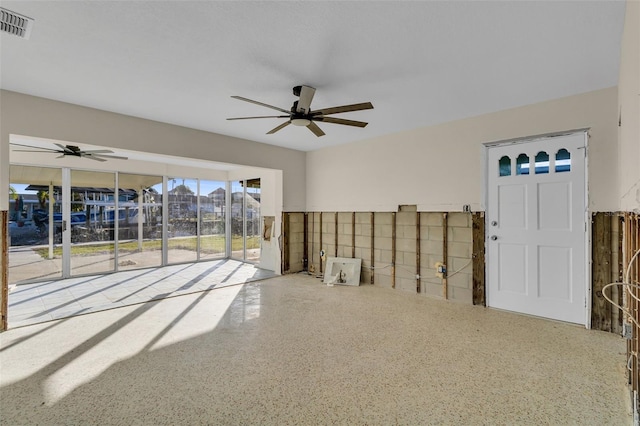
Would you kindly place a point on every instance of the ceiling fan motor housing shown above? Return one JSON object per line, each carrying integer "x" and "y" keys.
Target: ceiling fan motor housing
{"x": 301, "y": 113}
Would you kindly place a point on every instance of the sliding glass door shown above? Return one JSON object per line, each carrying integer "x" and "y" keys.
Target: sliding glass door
{"x": 35, "y": 218}
{"x": 245, "y": 220}
{"x": 182, "y": 198}
{"x": 253, "y": 220}
{"x": 140, "y": 221}
{"x": 68, "y": 222}
{"x": 91, "y": 227}
{"x": 212, "y": 225}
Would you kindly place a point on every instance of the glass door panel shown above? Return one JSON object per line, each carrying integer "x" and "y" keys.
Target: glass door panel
{"x": 252, "y": 218}
{"x": 35, "y": 212}
{"x": 237, "y": 222}
{"x": 92, "y": 230}
{"x": 212, "y": 220}
{"x": 182, "y": 201}
{"x": 140, "y": 221}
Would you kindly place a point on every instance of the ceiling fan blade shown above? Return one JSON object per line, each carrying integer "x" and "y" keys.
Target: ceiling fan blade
{"x": 38, "y": 152}
{"x": 94, "y": 157}
{"x": 34, "y": 147}
{"x": 98, "y": 151}
{"x": 341, "y": 121}
{"x": 64, "y": 148}
{"x": 261, "y": 104}
{"x": 261, "y": 116}
{"x": 306, "y": 96}
{"x": 344, "y": 108}
{"x": 280, "y": 127}
{"x": 315, "y": 129}
{"x": 61, "y": 156}
{"x": 116, "y": 157}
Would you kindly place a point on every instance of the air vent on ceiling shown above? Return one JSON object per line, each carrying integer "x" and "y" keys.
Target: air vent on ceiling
{"x": 14, "y": 23}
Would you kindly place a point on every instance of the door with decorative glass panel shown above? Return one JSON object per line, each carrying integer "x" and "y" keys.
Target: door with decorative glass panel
{"x": 536, "y": 227}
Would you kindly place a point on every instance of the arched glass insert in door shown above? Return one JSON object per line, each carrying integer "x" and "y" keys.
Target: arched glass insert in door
{"x": 563, "y": 161}
{"x": 542, "y": 163}
{"x": 505, "y": 166}
{"x": 522, "y": 164}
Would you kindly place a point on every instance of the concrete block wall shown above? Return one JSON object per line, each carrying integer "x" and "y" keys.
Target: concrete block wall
{"x": 459, "y": 259}
{"x": 406, "y": 238}
{"x": 328, "y": 235}
{"x": 363, "y": 244}
{"x": 355, "y": 232}
{"x": 345, "y": 234}
{"x": 431, "y": 251}
{"x": 382, "y": 245}
{"x": 296, "y": 242}
{"x": 313, "y": 240}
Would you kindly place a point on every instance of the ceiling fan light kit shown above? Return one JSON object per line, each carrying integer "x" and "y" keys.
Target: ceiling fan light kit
{"x": 300, "y": 121}
{"x": 302, "y": 115}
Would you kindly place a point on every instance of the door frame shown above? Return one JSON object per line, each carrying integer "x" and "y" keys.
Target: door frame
{"x": 587, "y": 216}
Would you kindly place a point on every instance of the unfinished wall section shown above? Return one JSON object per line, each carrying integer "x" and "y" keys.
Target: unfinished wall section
{"x": 606, "y": 267}
{"x": 459, "y": 256}
{"x": 293, "y": 256}
{"x": 406, "y": 239}
{"x": 630, "y": 249}
{"x": 382, "y": 252}
{"x": 345, "y": 234}
{"x": 328, "y": 236}
{"x": 398, "y": 250}
{"x": 363, "y": 245}
{"x": 313, "y": 241}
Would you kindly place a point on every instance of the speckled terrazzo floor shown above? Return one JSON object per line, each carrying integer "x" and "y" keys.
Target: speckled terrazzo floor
{"x": 49, "y": 300}
{"x": 290, "y": 350}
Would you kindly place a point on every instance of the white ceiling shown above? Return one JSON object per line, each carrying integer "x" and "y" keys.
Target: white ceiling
{"x": 419, "y": 63}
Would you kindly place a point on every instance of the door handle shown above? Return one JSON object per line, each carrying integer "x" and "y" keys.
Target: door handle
{"x": 494, "y": 237}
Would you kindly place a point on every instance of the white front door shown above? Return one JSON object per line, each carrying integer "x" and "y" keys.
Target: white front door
{"x": 536, "y": 228}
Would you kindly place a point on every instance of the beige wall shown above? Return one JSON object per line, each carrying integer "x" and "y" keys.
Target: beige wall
{"x": 440, "y": 168}
{"x": 37, "y": 117}
{"x": 629, "y": 107}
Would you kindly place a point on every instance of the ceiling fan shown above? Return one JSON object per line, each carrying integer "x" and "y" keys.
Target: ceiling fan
{"x": 301, "y": 113}
{"x": 64, "y": 150}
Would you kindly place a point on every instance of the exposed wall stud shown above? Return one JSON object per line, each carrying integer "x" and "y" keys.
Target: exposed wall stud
{"x": 321, "y": 248}
{"x": 336, "y": 233}
{"x": 285, "y": 266}
{"x": 312, "y": 266}
{"x": 478, "y": 259}
{"x": 601, "y": 310}
{"x": 393, "y": 250}
{"x": 305, "y": 255}
{"x": 4, "y": 277}
{"x": 373, "y": 217}
{"x": 619, "y": 277}
{"x": 353, "y": 235}
{"x": 445, "y": 290}
{"x": 418, "y": 289}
